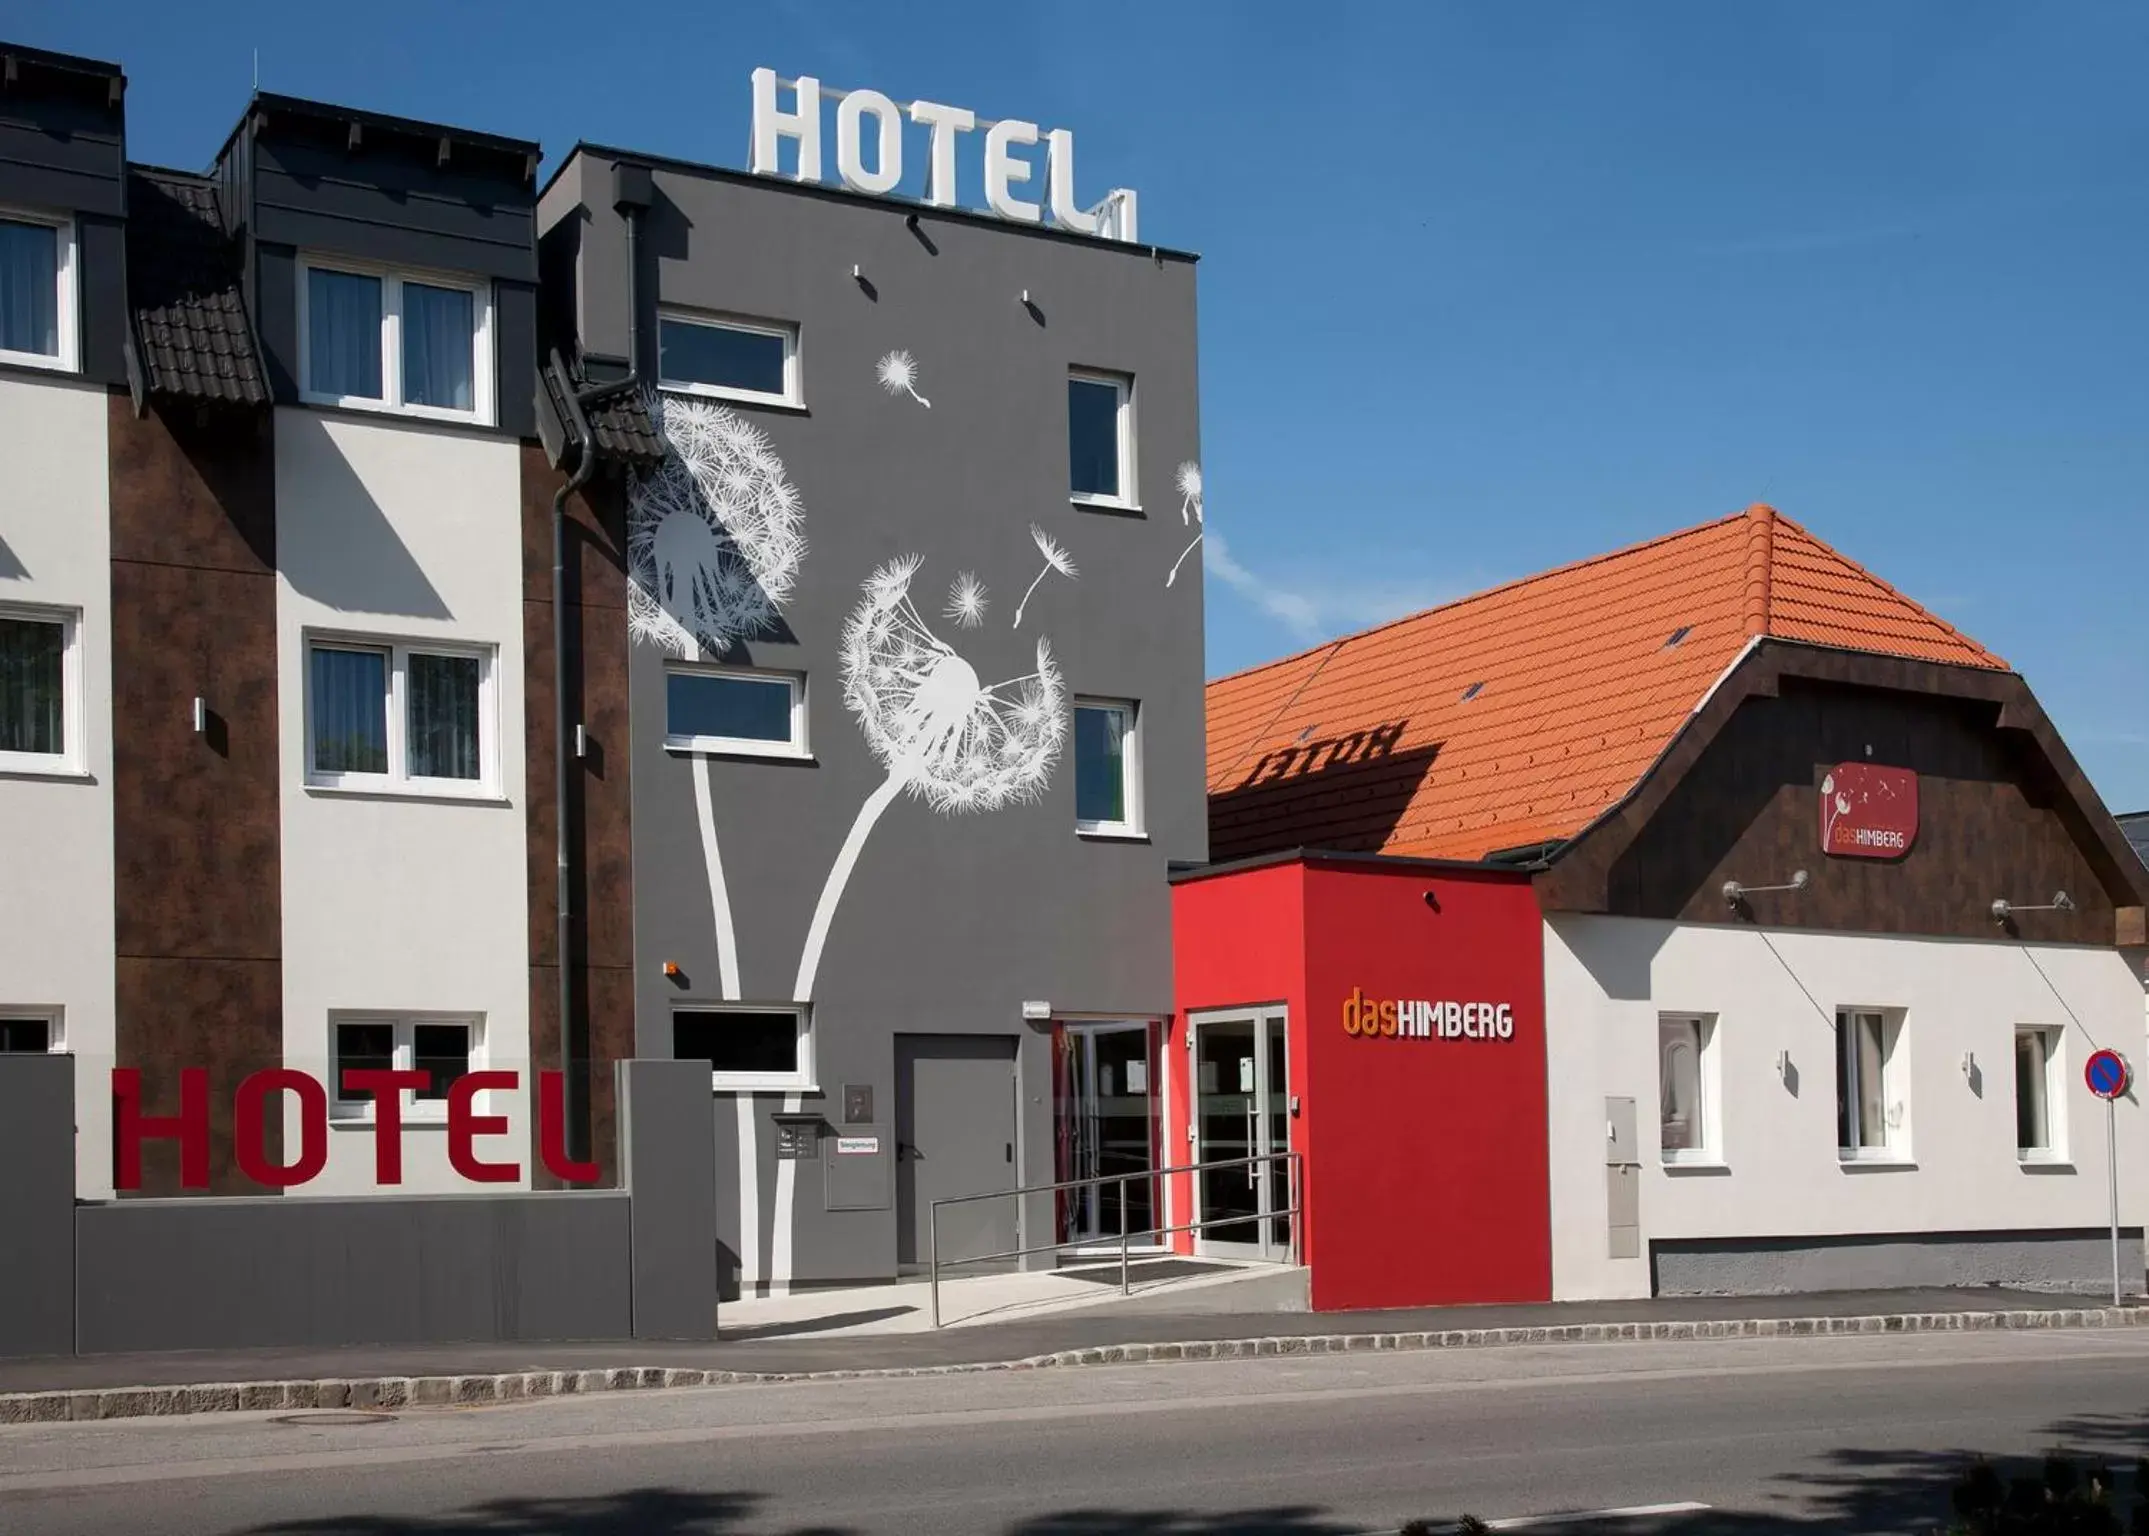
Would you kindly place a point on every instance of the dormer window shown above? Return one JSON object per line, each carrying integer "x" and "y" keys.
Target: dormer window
{"x": 379, "y": 340}
{"x": 37, "y": 291}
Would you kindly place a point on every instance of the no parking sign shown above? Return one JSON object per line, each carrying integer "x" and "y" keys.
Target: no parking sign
{"x": 2106, "y": 1073}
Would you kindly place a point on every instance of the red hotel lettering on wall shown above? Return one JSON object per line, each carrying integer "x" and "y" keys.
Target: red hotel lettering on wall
{"x": 190, "y": 1127}
{"x": 1867, "y": 811}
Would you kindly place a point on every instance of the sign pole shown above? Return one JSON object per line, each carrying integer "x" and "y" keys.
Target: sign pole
{"x": 2111, "y": 1153}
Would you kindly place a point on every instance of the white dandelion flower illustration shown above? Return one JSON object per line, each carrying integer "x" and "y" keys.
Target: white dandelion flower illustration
{"x": 714, "y": 536}
{"x": 899, "y": 375}
{"x": 945, "y": 737}
{"x": 1190, "y": 510}
{"x": 1056, "y": 559}
{"x": 966, "y": 601}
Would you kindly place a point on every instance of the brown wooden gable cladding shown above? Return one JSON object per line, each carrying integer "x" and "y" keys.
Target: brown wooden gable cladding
{"x": 196, "y": 818}
{"x": 2005, "y": 811}
{"x": 600, "y": 833}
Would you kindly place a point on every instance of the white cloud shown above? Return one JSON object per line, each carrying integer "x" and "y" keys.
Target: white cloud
{"x": 1312, "y": 613}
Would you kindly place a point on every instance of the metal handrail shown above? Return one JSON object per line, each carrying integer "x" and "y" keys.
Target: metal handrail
{"x": 1293, "y": 1177}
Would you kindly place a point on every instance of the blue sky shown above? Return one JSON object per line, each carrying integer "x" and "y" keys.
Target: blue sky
{"x": 1486, "y": 287}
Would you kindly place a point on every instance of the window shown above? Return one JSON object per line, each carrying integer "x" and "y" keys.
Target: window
{"x": 37, "y": 291}
{"x": 28, "y": 1033}
{"x": 444, "y": 1048}
{"x": 733, "y": 709}
{"x": 40, "y": 688}
{"x": 1686, "y": 1069}
{"x": 1107, "y": 767}
{"x": 1870, "y": 1119}
{"x": 751, "y": 360}
{"x": 389, "y": 716}
{"x": 1100, "y": 438}
{"x": 746, "y": 1048}
{"x": 384, "y": 341}
{"x": 2040, "y": 1097}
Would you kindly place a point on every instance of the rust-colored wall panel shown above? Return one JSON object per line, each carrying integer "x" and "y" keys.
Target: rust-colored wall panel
{"x": 224, "y": 1015}
{"x": 196, "y": 815}
{"x": 600, "y": 829}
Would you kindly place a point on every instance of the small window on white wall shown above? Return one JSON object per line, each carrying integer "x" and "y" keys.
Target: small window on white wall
{"x": 1686, "y": 1072}
{"x": 1872, "y": 1119}
{"x": 391, "y": 716}
{"x": 747, "y": 1048}
{"x": 443, "y": 1047}
{"x": 2040, "y": 1096}
{"x": 40, "y": 690}
{"x": 30, "y": 1032}
{"x": 37, "y": 291}
{"x": 373, "y": 339}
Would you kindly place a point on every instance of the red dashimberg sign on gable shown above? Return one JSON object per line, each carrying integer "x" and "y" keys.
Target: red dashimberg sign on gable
{"x": 1868, "y": 812}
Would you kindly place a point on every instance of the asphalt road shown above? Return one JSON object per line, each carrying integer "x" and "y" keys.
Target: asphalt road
{"x": 1835, "y": 1435}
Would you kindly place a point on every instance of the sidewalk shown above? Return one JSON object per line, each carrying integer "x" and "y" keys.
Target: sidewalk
{"x": 388, "y": 1376}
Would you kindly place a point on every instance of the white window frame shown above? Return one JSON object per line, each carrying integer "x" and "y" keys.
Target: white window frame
{"x": 1708, "y": 1081}
{"x": 391, "y": 281}
{"x": 398, "y": 780}
{"x": 793, "y": 392}
{"x": 71, "y": 761}
{"x": 69, "y": 357}
{"x": 54, "y": 1020}
{"x": 800, "y": 1080}
{"x": 1894, "y": 1146}
{"x": 1130, "y": 770}
{"x": 2055, "y": 1091}
{"x": 416, "y": 1111}
{"x": 1127, "y": 500}
{"x": 799, "y": 747}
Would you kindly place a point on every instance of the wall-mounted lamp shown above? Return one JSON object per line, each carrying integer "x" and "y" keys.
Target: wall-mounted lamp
{"x": 1969, "y": 1064}
{"x": 1735, "y": 893}
{"x": 2003, "y": 909}
{"x": 671, "y": 969}
{"x": 1783, "y": 1064}
{"x": 201, "y": 714}
{"x": 1025, "y": 295}
{"x": 581, "y": 742}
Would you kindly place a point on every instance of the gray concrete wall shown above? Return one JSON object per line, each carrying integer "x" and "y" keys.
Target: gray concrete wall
{"x": 268, "y": 1271}
{"x": 37, "y": 1204}
{"x": 950, "y": 921}
{"x": 2057, "y": 1261}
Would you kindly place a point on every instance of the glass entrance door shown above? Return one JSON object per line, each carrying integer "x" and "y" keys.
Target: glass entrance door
{"x": 1108, "y": 1126}
{"x": 1242, "y": 1109}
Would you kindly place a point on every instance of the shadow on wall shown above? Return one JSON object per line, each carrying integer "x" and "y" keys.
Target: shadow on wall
{"x": 11, "y": 569}
{"x": 1614, "y": 961}
{"x": 1342, "y": 794}
{"x": 350, "y": 558}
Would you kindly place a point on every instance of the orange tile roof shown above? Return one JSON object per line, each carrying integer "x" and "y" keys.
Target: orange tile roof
{"x": 1369, "y": 744}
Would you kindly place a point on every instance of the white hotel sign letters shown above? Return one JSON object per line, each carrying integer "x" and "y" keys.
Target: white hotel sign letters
{"x": 1005, "y": 169}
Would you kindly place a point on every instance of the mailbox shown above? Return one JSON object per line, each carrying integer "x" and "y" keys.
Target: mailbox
{"x": 798, "y": 1136}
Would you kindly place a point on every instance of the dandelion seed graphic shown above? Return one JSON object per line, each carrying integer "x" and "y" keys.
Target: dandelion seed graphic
{"x": 899, "y": 375}
{"x": 714, "y": 537}
{"x": 945, "y": 737}
{"x": 1190, "y": 510}
{"x": 1056, "y": 559}
{"x": 966, "y": 602}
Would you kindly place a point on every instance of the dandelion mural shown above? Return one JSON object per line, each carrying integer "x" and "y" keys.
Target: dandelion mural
{"x": 944, "y": 736}
{"x": 966, "y": 602}
{"x": 1189, "y": 483}
{"x": 899, "y": 375}
{"x": 714, "y": 544}
{"x": 1056, "y": 559}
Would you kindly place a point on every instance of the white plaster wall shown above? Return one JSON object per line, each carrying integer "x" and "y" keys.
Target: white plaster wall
{"x": 56, "y": 865}
{"x": 1607, "y": 979}
{"x": 395, "y": 903}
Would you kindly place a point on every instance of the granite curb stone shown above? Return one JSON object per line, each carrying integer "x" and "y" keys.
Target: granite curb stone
{"x": 388, "y": 1393}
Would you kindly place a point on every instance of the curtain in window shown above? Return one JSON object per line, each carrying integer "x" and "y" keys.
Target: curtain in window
{"x": 1100, "y": 765}
{"x": 2032, "y": 1131}
{"x": 350, "y": 711}
{"x": 443, "y": 726}
{"x": 1679, "y": 1052}
{"x": 343, "y": 334}
{"x": 438, "y": 331}
{"x": 29, "y": 288}
{"x": 32, "y": 717}
{"x": 1872, "y": 1063}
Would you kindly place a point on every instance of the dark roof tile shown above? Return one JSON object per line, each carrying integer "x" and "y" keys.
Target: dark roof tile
{"x": 184, "y": 282}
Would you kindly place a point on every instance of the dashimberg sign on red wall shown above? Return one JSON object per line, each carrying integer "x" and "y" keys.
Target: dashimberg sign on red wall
{"x": 250, "y": 1117}
{"x": 1868, "y": 812}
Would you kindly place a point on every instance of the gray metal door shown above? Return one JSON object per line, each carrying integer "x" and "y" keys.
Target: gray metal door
{"x": 954, "y": 1135}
